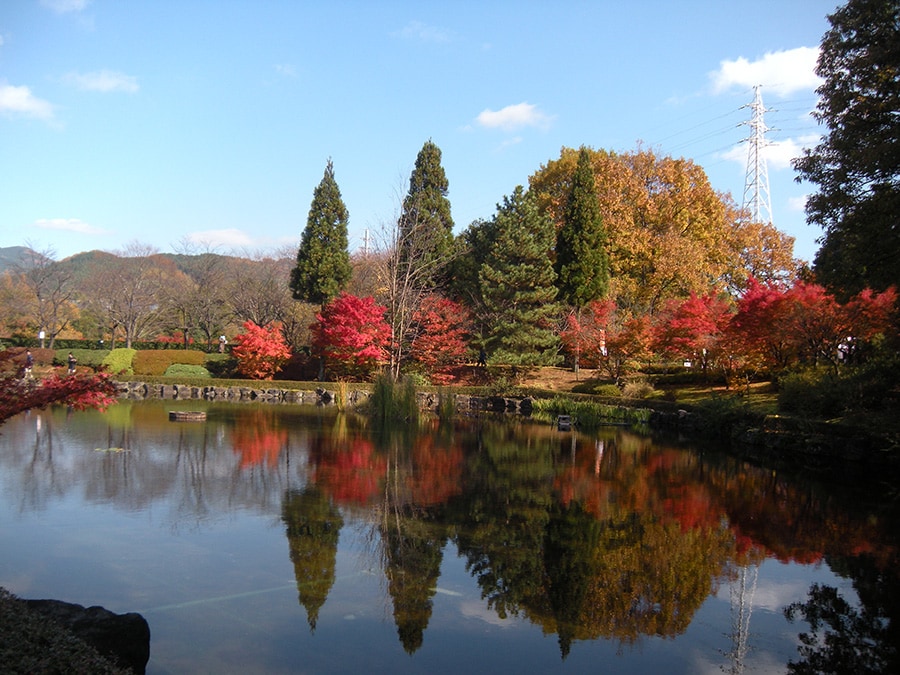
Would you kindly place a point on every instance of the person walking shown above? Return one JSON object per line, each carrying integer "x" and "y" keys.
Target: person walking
{"x": 29, "y": 364}
{"x": 71, "y": 361}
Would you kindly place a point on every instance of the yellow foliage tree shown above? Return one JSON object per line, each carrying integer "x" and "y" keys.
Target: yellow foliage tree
{"x": 669, "y": 233}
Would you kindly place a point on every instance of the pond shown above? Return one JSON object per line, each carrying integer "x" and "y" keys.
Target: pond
{"x": 285, "y": 539}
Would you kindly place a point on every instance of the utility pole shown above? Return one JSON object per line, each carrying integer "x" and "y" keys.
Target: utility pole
{"x": 757, "y": 202}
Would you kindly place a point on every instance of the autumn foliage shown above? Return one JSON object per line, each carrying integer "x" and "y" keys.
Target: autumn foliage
{"x": 440, "y": 342}
{"x": 770, "y": 326}
{"x": 79, "y": 391}
{"x": 352, "y": 335}
{"x": 261, "y": 351}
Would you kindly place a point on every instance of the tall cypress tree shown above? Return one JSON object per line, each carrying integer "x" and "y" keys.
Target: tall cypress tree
{"x": 582, "y": 263}
{"x": 426, "y": 227}
{"x": 518, "y": 285}
{"x": 323, "y": 260}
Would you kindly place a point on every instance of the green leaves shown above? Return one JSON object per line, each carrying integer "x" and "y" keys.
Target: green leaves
{"x": 323, "y": 260}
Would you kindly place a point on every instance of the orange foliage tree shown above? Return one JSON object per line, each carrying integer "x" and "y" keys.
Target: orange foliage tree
{"x": 261, "y": 351}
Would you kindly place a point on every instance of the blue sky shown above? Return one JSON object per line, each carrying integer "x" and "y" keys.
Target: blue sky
{"x": 171, "y": 121}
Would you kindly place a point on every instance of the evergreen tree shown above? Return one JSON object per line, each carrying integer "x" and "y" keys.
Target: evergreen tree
{"x": 518, "y": 285}
{"x": 857, "y": 163}
{"x": 582, "y": 264}
{"x": 323, "y": 260}
{"x": 426, "y": 226}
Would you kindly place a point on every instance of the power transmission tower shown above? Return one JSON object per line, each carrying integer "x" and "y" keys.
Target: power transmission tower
{"x": 757, "y": 202}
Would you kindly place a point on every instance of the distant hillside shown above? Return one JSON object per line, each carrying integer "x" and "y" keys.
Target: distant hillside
{"x": 13, "y": 256}
{"x": 84, "y": 265}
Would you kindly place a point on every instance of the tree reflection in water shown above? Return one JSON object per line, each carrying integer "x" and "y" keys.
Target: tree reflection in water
{"x": 612, "y": 536}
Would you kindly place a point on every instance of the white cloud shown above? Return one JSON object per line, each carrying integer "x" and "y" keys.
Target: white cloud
{"x": 68, "y": 225}
{"x": 231, "y": 237}
{"x": 782, "y": 73}
{"x": 514, "y": 117}
{"x": 65, "y": 6}
{"x": 103, "y": 81}
{"x": 20, "y": 100}
{"x": 416, "y": 30}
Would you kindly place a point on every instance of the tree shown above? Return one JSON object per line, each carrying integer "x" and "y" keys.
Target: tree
{"x": 260, "y": 350}
{"x": 425, "y": 218}
{"x": 692, "y": 329}
{"x": 582, "y": 265}
{"x": 584, "y": 335}
{"x": 352, "y": 335}
{"x": 204, "y": 305}
{"x": 669, "y": 233}
{"x": 440, "y": 340}
{"x": 518, "y": 285}
{"x": 856, "y": 165}
{"x": 323, "y": 260}
{"x": 52, "y": 293}
{"x": 258, "y": 289}
{"x": 126, "y": 293}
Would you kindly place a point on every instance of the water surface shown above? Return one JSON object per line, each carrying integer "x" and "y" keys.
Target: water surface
{"x": 284, "y": 539}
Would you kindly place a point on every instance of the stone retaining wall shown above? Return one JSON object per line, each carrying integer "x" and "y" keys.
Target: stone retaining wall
{"x": 320, "y": 396}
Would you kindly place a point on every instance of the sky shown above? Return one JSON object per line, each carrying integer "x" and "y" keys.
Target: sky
{"x": 207, "y": 124}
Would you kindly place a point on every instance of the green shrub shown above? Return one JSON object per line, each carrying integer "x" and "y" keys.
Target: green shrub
{"x": 119, "y": 361}
{"x": 810, "y": 393}
{"x": 221, "y": 365}
{"x": 156, "y": 361}
{"x": 186, "y": 370}
{"x": 86, "y": 357}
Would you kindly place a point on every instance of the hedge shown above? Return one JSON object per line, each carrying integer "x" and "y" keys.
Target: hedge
{"x": 85, "y": 357}
{"x": 157, "y": 361}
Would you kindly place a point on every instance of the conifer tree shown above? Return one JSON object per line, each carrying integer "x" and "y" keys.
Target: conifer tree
{"x": 323, "y": 260}
{"x": 425, "y": 218}
{"x": 518, "y": 285}
{"x": 582, "y": 263}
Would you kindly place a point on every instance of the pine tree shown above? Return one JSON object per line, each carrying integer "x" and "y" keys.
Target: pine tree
{"x": 323, "y": 261}
{"x": 582, "y": 263}
{"x": 857, "y": 163}
{"x": 518, "y": 285}
{"x": 425, "y": 221}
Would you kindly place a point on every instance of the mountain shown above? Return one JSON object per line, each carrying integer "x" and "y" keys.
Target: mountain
{"x": 14, "y": 256}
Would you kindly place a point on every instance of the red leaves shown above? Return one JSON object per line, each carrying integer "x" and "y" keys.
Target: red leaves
{"x": 693, "y": 328}
{"x": 440, "y": 343}
{"x": 79, "y": 391}
{"x": 261, "y": 351}
{"x": 352, "y": 335}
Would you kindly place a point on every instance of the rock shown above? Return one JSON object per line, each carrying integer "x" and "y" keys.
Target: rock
{"x": 124, "y": 638}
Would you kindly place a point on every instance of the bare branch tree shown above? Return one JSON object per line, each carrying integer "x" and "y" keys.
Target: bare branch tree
{"x": 406, "y": 275}
{"x": 52, "y": 293}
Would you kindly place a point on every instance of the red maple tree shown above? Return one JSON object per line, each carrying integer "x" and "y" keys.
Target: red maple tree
{"x": 692, "y": 329}
{"x": 352, "y": 335}
{"x": 440, "y": 342}
{"x": 261, "y": 351}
